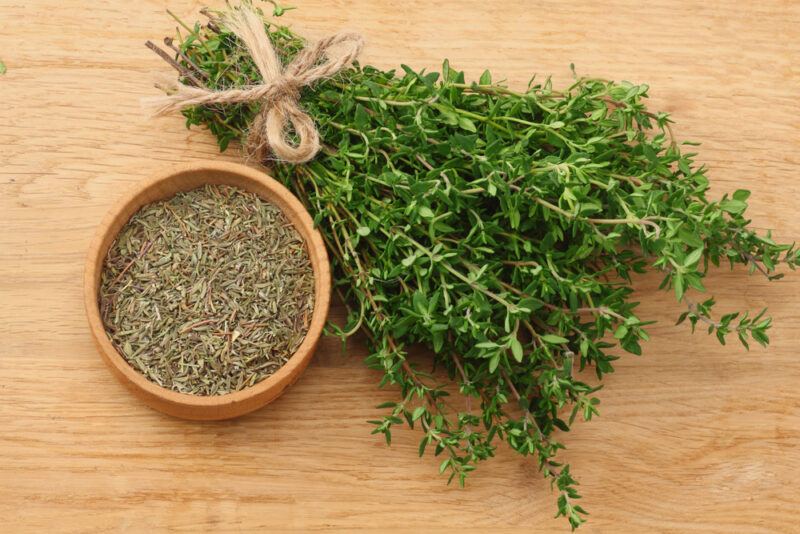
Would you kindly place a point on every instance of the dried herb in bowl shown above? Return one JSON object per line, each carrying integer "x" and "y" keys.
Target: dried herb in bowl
{"x": 500, "y": 228}
{"x": 207, "y": 292}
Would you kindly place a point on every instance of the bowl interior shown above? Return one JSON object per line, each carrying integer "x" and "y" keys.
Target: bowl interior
{"x": 165, "y": 186}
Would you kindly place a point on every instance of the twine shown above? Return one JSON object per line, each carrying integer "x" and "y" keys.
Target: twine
{"x": 279, "y": 91}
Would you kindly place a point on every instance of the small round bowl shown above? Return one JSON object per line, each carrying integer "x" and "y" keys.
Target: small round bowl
{"x": 164, "y": 185}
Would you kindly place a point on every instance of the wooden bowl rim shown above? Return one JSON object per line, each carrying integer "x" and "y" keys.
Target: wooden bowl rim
{"x": 281, "y": 378}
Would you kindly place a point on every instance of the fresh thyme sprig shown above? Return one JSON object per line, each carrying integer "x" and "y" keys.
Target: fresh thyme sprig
{"x": 500, "y": 229}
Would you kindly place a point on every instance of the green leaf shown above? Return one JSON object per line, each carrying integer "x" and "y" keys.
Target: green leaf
{"x": 632, "y": 346}
{"x": 599, "y": 113}
{"x": 677, "y": 281}
{"x": 553, "y": 339}
{"x": 467, "y": 124}
{"x": 561, "y": 425}
{"x": 420, "y": 301}
{"x": 444, "y": 465}
{"x": 693, "y": 280}
{"x": 418, "y": 411}
{"x": 422, "y": 444}
{"x": 363, "y": 231}
{"x": 689, "y": 238}
{"x": 621, "y": 332}
{"x": 426, "y": 212}
{"x": 2, "y": 67}
{"x": 486, "y": 78}
{"x": 448, "y": 117}
{"x": 693, "y": 257}
{"x": 741, "y": 195}
{"x": 516, "y": 349}
{"x": 732, "y": 206}
{"x": 494, "y": 362}
{"x": 361, "y": 117}
{"x": 649, "y": 153}
{"x": 530, "y": 304}
{"x": 466, "y": 142}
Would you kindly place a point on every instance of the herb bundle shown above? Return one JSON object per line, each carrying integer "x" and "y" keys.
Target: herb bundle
{"x": 207, "y": 292}
{"x": 500, "y": 229}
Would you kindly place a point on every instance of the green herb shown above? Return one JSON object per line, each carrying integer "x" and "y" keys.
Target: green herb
{"x": 207, "y": 292}
{"x": 2, "y": 67}
{"x": 501, "y": 229}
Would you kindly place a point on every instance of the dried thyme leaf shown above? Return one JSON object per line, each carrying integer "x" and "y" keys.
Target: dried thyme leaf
{"x": 207, "y": 292}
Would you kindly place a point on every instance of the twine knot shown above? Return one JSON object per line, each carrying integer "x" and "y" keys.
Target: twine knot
{"x": 288, "y": 86}
{"x": 279, "y": 91}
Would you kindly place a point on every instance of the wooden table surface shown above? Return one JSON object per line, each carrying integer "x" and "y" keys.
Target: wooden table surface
{"x": 692, "y": 436}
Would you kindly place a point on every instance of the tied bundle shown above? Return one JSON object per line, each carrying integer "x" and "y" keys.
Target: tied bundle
{"x": 498, "y": 228}
{"x": 279, "y": 91}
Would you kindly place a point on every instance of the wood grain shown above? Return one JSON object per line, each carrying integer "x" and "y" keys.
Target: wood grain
{"x": 693, "y": 436}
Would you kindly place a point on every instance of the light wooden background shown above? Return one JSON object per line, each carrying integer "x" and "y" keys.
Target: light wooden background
{"x": 692, "y": 436}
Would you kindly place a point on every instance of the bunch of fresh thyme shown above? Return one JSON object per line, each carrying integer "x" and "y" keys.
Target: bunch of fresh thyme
{"x": 498, "y": 228}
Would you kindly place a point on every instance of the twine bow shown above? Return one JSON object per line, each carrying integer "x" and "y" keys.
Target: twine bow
{"x": 279, "y": 91}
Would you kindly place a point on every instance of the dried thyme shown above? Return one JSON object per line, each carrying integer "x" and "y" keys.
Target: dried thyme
{"x": 207, "y": 292}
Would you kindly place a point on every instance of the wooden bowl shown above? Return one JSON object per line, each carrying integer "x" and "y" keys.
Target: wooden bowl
{"x": 164, "y": 185}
